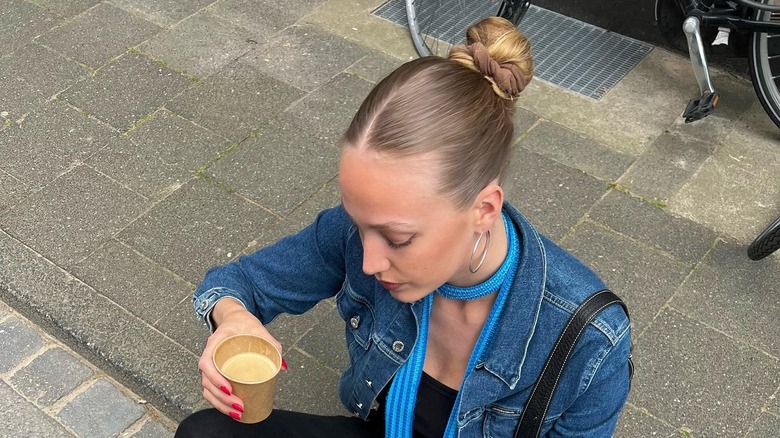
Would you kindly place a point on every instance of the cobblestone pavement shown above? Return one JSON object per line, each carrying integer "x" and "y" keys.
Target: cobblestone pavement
{"x": 49, "y": 390}
{"x": 143, "y": 142}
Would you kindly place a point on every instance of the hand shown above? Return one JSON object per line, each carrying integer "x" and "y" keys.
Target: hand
{"x": 231, "y": 319}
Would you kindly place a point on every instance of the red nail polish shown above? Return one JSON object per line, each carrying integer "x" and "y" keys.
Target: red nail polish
{"x": 284, "y": 365}
{"x": 235, "y": 415}
{"x": 224, "y": 389}
{"x": 238, "y": 407}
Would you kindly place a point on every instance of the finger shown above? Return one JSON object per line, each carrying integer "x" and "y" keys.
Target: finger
{"x": 220, "y": 400}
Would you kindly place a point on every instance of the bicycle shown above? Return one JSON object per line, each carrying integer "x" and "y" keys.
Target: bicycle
{"x": 749, "y": 23}
{"x": 741, "y": 23}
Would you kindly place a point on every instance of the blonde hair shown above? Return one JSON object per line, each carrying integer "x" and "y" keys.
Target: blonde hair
{"x": 449, "y": 107}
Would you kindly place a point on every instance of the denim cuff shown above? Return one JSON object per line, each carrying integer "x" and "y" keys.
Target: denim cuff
{"x": 204, "y": 303}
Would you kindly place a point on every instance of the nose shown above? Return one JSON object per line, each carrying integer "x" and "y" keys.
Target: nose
{"x": 374, "y": 257}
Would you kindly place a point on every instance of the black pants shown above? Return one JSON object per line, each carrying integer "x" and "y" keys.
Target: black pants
{"x": 212, "y": 423}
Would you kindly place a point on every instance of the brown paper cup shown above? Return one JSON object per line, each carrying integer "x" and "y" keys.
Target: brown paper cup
{"x": 257, "y": 391}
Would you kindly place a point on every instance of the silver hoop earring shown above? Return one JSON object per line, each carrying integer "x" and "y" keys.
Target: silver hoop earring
{"x": 474, "y": 252}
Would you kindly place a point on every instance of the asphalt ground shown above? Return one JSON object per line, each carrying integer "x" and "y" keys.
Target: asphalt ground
{"x": 143, "y": 142}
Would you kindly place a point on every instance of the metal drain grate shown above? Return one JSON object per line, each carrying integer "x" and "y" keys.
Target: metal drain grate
{"x": 569, "y": 53}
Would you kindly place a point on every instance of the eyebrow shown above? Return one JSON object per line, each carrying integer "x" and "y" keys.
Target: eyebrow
{"x": 387, "y": 226}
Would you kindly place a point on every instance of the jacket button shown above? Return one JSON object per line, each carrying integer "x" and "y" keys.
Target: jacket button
{"x": 204, "y": 304}
{"x": 359, "y": 405}
{"x": 398, "y": 346}
{"x": 369, "y": 383}
{"x": 354, "y": 322}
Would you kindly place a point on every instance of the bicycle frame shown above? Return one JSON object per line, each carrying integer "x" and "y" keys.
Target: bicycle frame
{"x": 729, "y": 16}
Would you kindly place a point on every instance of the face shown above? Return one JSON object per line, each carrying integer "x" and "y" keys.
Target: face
{"x": 414, "y": 239}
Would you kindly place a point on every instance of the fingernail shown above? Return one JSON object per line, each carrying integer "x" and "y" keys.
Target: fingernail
{"x": 235, "y": 415}
{"x": 238, "y": 407}
{"x": 224, "y": 389}
{"x": 284, "y": 365}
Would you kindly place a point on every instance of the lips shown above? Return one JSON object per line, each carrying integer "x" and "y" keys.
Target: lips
{"x": 390, "y": 286}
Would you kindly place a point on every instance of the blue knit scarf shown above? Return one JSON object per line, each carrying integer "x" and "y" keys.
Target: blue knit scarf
{"x": 402, "y": 396}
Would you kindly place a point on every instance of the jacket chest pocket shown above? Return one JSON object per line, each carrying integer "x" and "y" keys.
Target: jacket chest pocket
{"x": 359, "y": 316}
{"x": 502, "y": 422}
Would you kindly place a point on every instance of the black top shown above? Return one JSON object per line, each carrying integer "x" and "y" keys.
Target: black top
{"x": 435, "y": 401}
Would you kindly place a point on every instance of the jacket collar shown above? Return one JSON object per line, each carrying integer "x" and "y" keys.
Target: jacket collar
{"x": 505, "y": 355}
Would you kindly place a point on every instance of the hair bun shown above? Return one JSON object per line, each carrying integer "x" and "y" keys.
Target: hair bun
{"x": 500, "y": 52}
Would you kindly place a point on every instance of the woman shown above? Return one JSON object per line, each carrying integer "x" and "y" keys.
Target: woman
{"x": 452, "y": 300}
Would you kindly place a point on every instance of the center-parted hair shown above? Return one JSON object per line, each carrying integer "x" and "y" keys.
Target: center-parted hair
{"x": 459, "y": 108}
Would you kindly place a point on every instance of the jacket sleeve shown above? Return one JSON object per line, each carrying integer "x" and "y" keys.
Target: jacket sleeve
{"x": 290, "y": 276}
{"x": 595, "y": 412}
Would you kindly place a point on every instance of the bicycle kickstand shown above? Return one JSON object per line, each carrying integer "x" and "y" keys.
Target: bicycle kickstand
{"x": 704, "y": 105}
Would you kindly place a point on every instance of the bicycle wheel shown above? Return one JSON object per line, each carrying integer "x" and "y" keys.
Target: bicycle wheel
{"x": 437, "y": 25}
{"x": 766, "y": 243}
{"x": 765, "y": 65}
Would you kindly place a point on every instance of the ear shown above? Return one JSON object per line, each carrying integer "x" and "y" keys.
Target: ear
{"x": 487, "y": 206}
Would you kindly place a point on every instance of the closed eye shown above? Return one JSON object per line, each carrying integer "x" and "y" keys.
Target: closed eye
{"x": 401, "y": 245}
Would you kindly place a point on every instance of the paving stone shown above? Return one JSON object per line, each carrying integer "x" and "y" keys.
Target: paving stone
{"x": 326, "y": 341}
{"x": 29, "y": 77}
{"x": 200, "y": 220}
{"x": 132, "y": 281}
{"x": 139, "y": 168}
{"x": 690, "y": 375}
{"x": 235, "y": 101}
{"x": 289, "y": 329}
{"x": 306, "y": 57}
{"x": 4, "y": 309}
{"x": 153, "y": 429}
{"x": 736, "y": 96}
{"x": 125, "y": 91}
{"x": 34, "y": 160}
{"x": 750, "y": 314}
{"x": 326, "y": 197}
{"x": 374, "y": 67}
{"x": 162, "y": 12}
{"x": 98, "y": 35}
{"x": 50, "y": 376}
{"x": 275, "y": 17}
{"x": 754, "y": 128}
{"x": 667, "y": 165}
{"x": 18, "y": 98}
{"x": 107, "y": 329}
{"x": 27, "y": 420}
{"x": 181, "y": 325}
{"x": 736, "y": 192}
{"x": 66, "y": 9}
{"x": 80, "y": 211}
{"x": 159, "y": 156}
{"x": 327, "y": 112}
{"x": 643, "y": 277}
{"x": 46, "y": 72}
{"x": 637, "y": 422}
{"x": 296, "y": 163}
{"x": 11, "y": 190}
{"x": 350, "y": 20}
{"x": 100, "y": 411}
{"x": 654, "y": 226}
{"x": 766, "y": 426}
{"x": 308, "y": 386}
{"x": 18, "y": 341}
{"x": 553, "y": 196}
{"x": 574, "y": 150}
{"x": 200, "y": 45}
{"x": 21, "y": 21}
{"x": 524, "y": 120}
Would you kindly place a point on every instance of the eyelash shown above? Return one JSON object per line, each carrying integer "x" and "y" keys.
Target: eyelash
{"x": 390, "y": 243}
{"x": 400, "y": 245}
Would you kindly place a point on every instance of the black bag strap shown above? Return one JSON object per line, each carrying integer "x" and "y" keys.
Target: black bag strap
{"x": 536, "y": 408}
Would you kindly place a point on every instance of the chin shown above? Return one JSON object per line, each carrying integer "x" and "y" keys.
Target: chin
{"x": 407, "y": 296}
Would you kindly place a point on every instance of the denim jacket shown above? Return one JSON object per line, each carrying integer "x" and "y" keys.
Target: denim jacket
{"x": 325, "y": 259}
